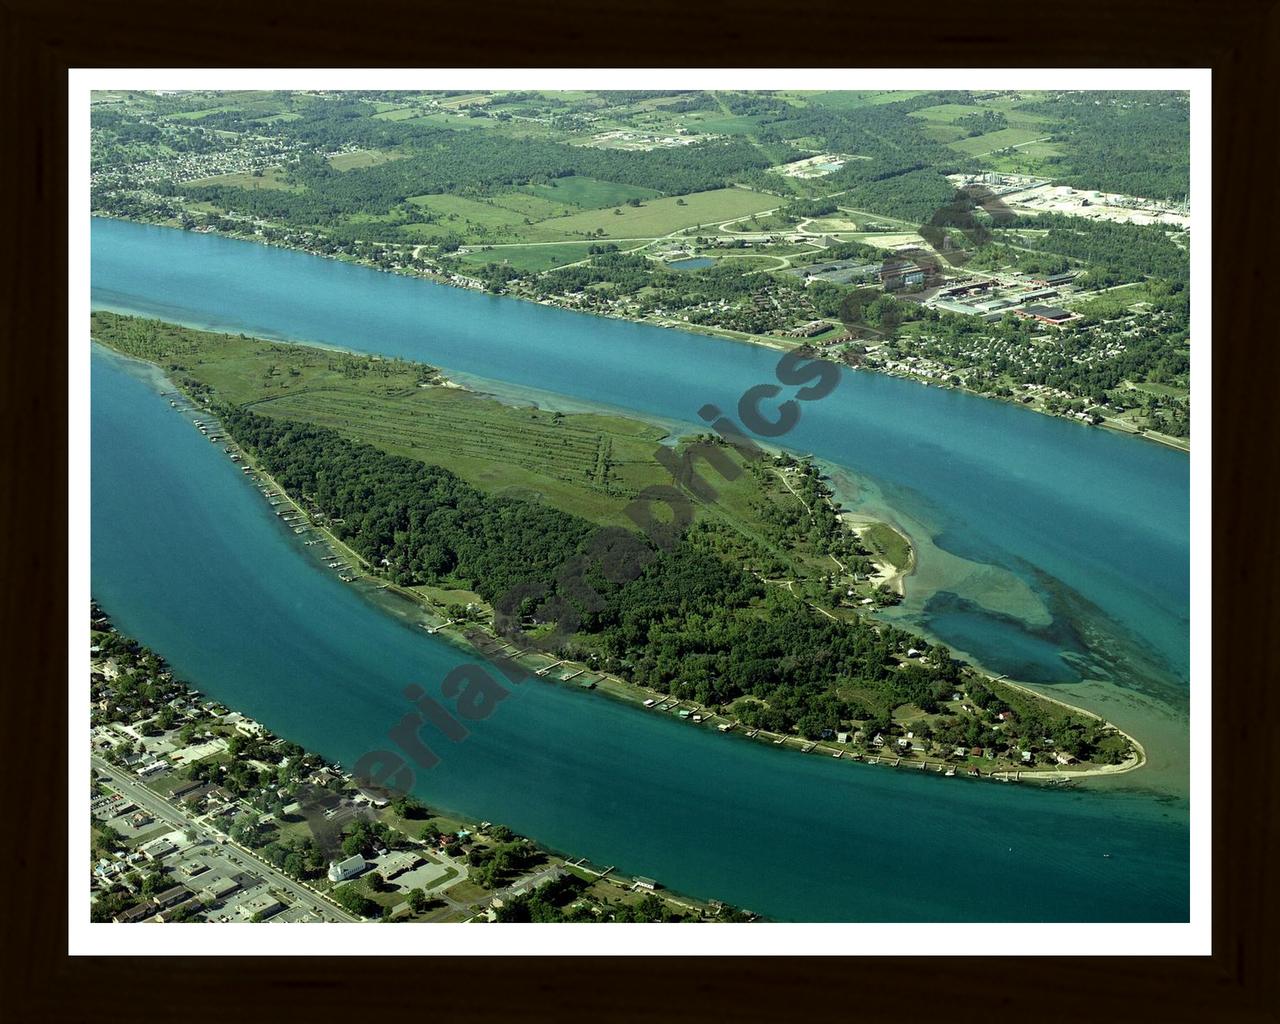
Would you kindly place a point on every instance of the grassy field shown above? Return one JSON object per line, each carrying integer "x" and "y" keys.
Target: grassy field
{"x": 470, "y": 218}
{"x": 589, "y": 193}
{"x": 591, "y": 465}
{"x": 1005, "y": 137}
{"x": 853, "y": 100}
{"x": 1113, "y": 302}
{"x": 533, "y": 258}
{"x": 361, "y": 158}
{"x": 655, "y": 217}
{"x": 271, "y": 177}
{"x": 948, "y": 113}
{"x": 889, "y": 543}
{"x": 720, "y": 124}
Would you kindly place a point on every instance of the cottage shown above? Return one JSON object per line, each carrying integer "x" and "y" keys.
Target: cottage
{"x": 645, "y": 883}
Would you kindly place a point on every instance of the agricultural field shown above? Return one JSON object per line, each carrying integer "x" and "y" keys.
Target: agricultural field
{"x": 949, "y": 113}
{"x": 654, "y": 217}
{"x": 591, "y": 465}
{"x": 500, "y": 219}
{"x": 851, "y": 100}
{"x": 714, "y": 123}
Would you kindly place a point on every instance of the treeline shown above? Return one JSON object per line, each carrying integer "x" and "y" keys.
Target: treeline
{"x": 914, "y": 195}
{"x": 1137, "y": 143}
{"x": 1116, "y": 253}
{"x": 425, "y": 522}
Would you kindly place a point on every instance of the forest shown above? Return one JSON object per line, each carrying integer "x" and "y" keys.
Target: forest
{"x": 438, "y": 160}
{"x": 690, "y": 622}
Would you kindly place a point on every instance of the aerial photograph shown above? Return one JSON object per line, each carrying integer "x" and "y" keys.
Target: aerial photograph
{"x": 709, "y": 506}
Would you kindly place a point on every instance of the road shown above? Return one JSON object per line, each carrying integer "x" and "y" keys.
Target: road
{"x": 165, "y": 811}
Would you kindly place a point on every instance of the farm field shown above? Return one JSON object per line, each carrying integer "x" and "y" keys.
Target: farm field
{"x": 948, "y": 113}
{"x": 501, "y": 218}
{"x": 655, "y": 217}
{"x": 853, "y": 100}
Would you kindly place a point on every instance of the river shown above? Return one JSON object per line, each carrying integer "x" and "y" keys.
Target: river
{"x": 1059, "y": 549}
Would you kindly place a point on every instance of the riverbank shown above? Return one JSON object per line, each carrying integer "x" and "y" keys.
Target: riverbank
{"x": 444, "y": 277}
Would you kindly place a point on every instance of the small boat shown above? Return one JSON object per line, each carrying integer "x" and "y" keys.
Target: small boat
{"x": 650, "y": 702}
{"x": 949, "y": 773}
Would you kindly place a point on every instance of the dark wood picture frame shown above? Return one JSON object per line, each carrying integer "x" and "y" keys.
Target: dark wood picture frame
{"x": 1236, "y": 38}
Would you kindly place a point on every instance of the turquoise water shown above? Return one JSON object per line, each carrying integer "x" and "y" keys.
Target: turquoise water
{"x": 189, "y": 557}
{"x": 693, "y": 263}
{"x": 1058, "y": 551}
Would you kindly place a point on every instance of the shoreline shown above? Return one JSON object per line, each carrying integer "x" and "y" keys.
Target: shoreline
{"x": 722, "y": 334}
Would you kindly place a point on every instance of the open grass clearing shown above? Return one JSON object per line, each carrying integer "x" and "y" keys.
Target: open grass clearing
{"x": 270, "y": 177}
{"x": 887, "y": 542}
{"x": 979, "y": 145}
{"x": 655, "y": 217}
{"x": 589, "y": 193}
{"x": 362, "y": 158}
{"x": 534, "y": 258}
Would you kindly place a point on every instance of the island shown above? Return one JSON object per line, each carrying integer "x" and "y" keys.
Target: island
{"x": 757, "y": 616}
